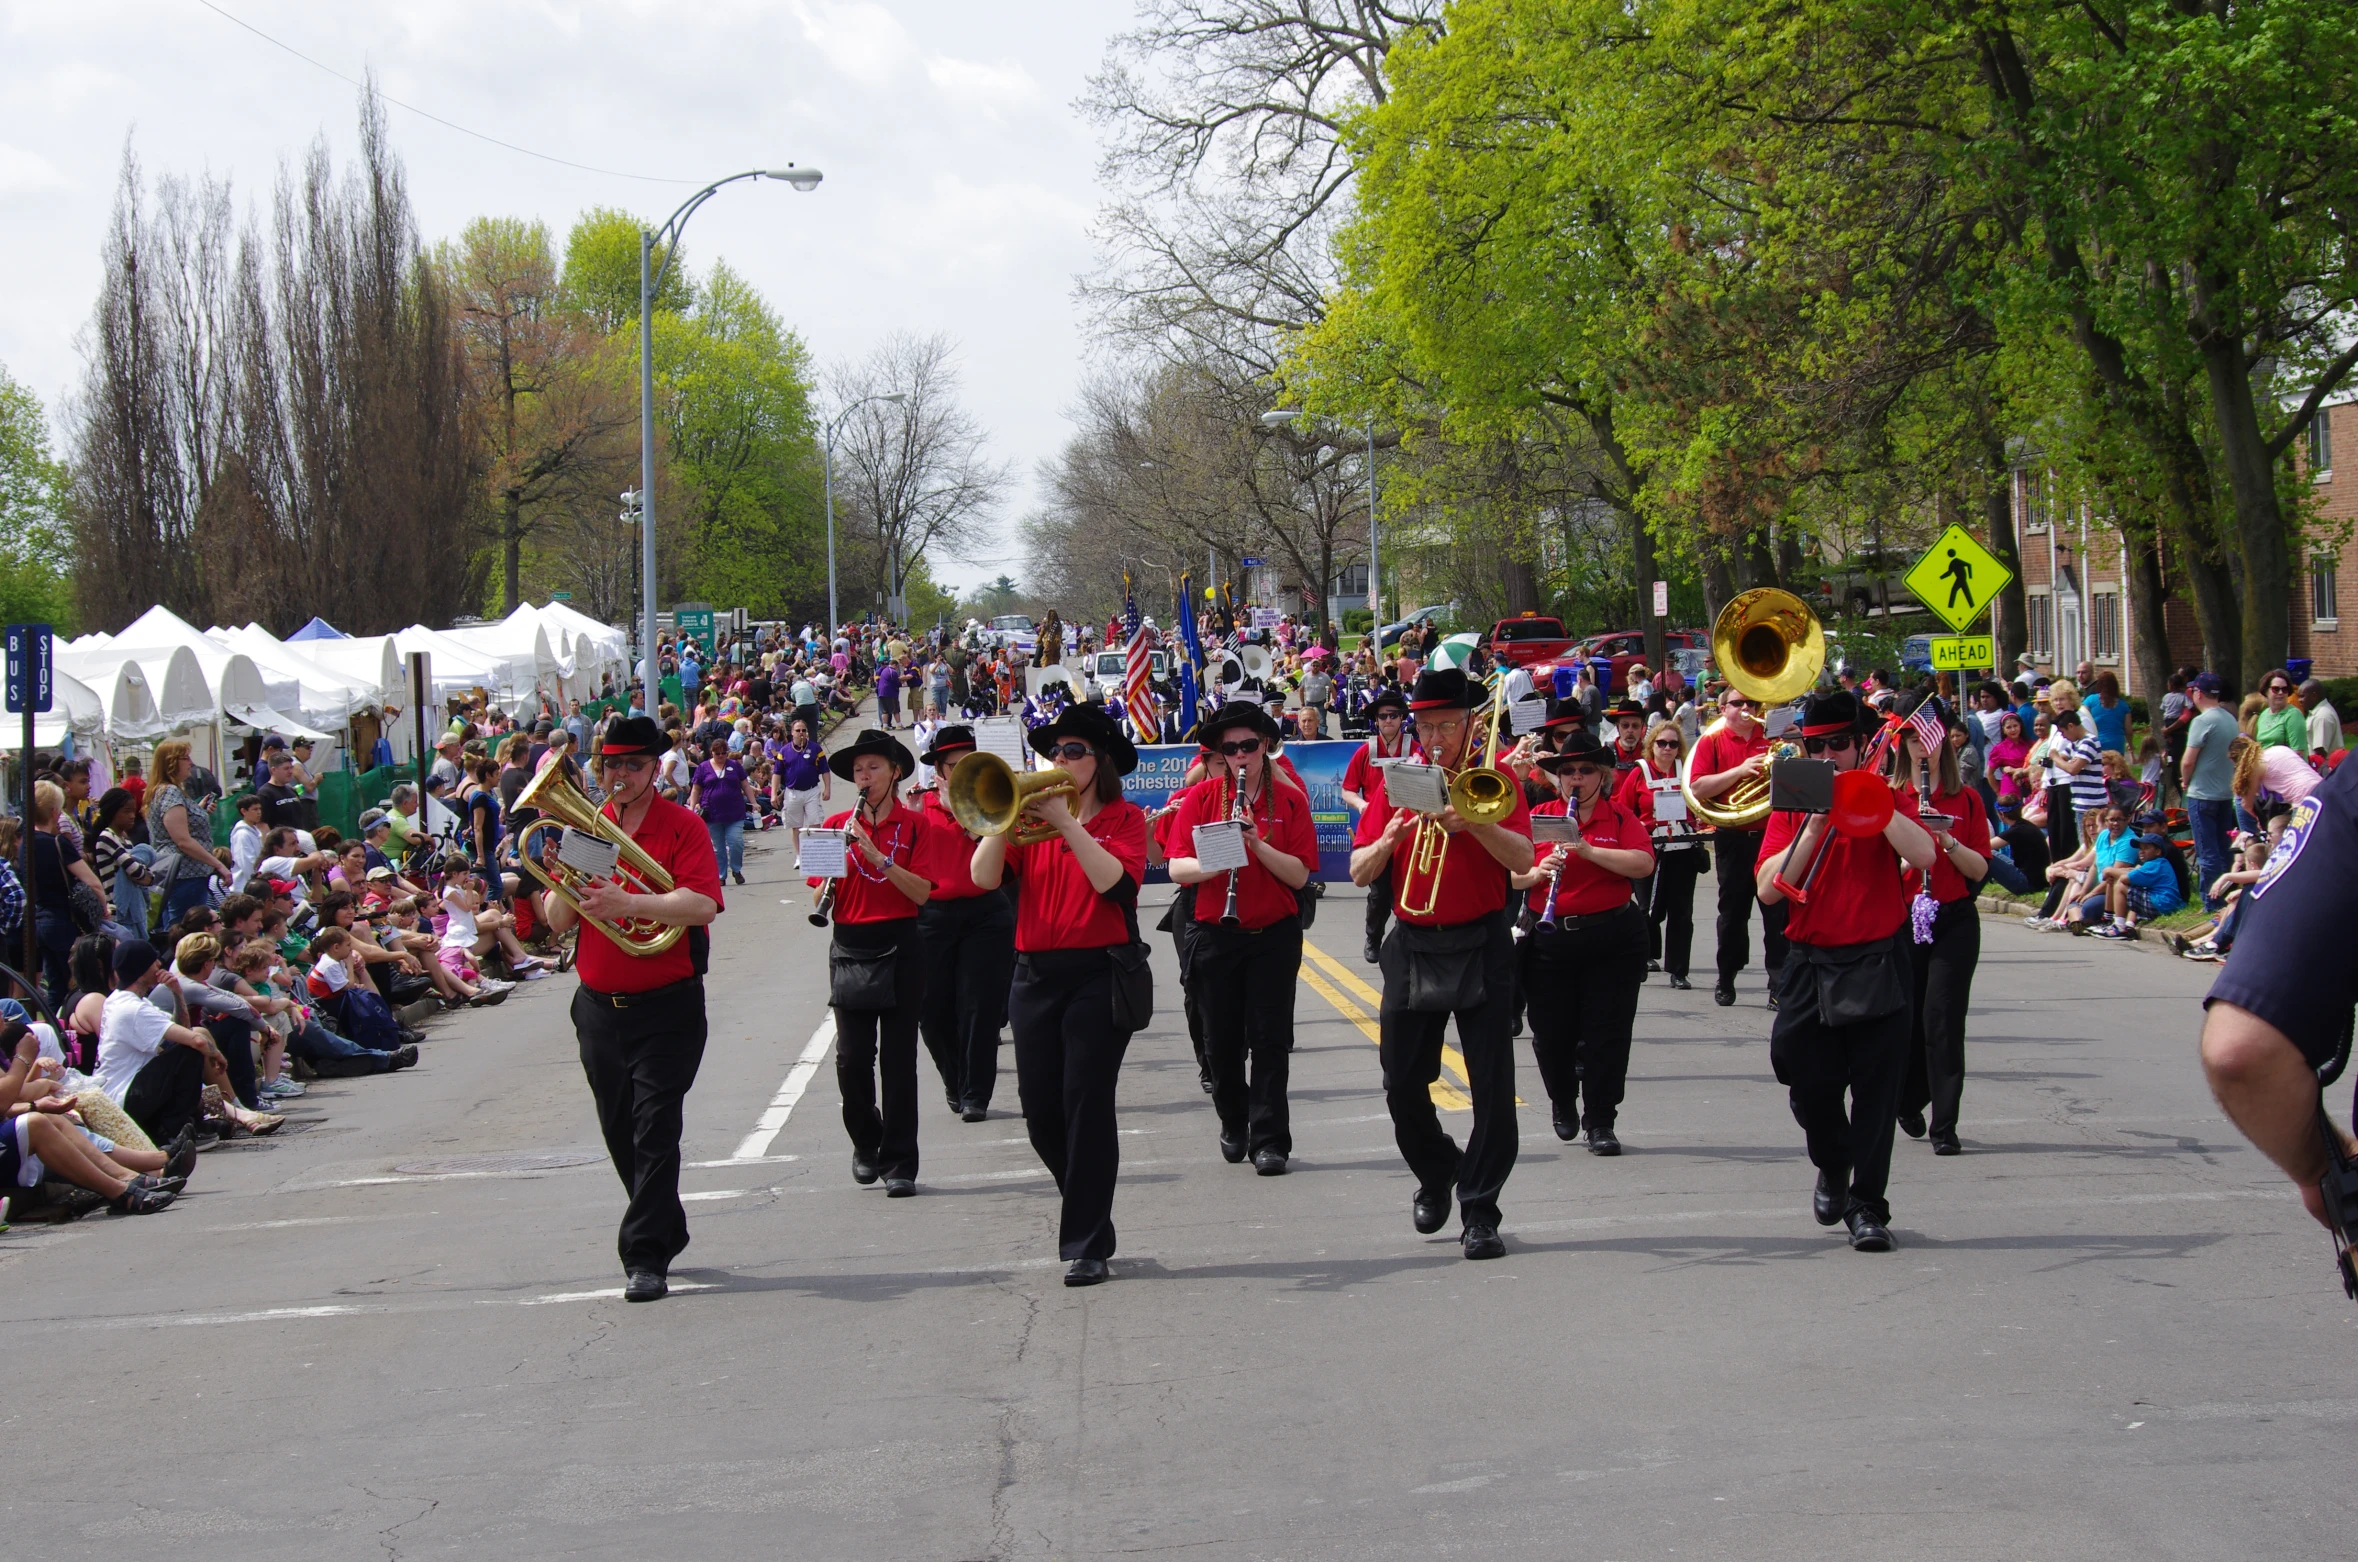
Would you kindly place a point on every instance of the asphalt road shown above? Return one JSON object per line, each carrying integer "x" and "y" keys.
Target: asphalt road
{"x": 2108, "y": 1330}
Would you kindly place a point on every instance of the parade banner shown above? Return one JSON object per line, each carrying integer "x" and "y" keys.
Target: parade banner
{"x": 1162, "y": 766}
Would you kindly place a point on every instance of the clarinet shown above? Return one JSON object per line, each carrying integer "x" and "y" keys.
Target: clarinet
{"x": 1548, "y": 918}
{"x": 823, "y": 909}
{"x": 1236, "y": 811}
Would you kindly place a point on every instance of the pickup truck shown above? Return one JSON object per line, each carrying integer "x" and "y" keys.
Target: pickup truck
{"x": 1518, "y": 642}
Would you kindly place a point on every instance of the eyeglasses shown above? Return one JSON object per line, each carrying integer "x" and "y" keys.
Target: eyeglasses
{"x": 1666, "y": 742}
{"x": 1576, "y": 772}
{"x": 1387, "y": 715}
{"x": 1841, "y": 744}
{"x": 1071, "y": 751}
{"x": 2280, "y": 688}
{"x": 1739, "y": 705}
{"x": 1241, "y": 746}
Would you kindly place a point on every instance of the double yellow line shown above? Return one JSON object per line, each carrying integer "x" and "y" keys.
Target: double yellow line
{"x": 1329, "y": 978}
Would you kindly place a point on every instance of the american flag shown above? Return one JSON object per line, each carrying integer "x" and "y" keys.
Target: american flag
{"x": 1925, "y": 721}
{"x": 1137, "y": 668}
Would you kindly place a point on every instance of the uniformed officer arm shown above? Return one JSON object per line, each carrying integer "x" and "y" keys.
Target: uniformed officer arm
{"x": 1184, "y": 870}
{"x": 679, "y": 907}
{"x": 1283, "y": 865}
{"x": 2269, "y": 1091}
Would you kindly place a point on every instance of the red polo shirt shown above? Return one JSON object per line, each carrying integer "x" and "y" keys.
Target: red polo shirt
{"x": 1857, "y": 894}
{"x": 1972, "y": 831}
{"x": 1723, "y": 750}
{"x": 679, "y": 842}
{"x": 1584, "y": 889}
{"x": 867, "y": 893}
{"x": 1057, "y": 908}
{"x": 1364, "y": 776}
{"x": 1282, "y": 815}
{"x": 1473, "y": 883}
{"x": 952, "y": 861}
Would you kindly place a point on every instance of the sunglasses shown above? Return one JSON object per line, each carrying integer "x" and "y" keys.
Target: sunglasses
{"x": 1578, "y": 771}
{"x": 1840, "y": 745}
{"x": 1739, "y": 704}
{"x": 1071, "y": 751}
{"x": 1241, "y": 746}
{"x": 2280, "y": 688}
{"x": 1666, "y": 742}
{"x": 1387, "y": 715}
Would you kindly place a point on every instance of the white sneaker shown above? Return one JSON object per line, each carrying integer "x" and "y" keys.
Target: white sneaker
{"x": 532, "y": 974}
{"x": 2037, "y": 924}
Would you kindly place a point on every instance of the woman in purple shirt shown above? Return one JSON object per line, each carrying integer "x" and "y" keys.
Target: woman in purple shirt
{"x": 888, "y": 695}
{"x": 723, "y": 794}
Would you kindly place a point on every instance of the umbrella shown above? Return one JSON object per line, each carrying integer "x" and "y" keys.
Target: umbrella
{"x": 1456, "y": 651}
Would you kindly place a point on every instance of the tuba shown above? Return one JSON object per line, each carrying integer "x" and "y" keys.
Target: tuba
{"x": 1768, "y": 645}
{"x": 562, "y": 806}
{"x": 1257, "y": 663}
{"x": 987, "y": 797}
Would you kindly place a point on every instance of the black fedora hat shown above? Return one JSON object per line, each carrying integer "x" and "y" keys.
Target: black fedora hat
{"x": 1626, "y": 707}
{"x": 1092, "y": 726}
{"x": 872, "y": 741}
{"x": 955, "y": 735}
{"x": 1832, "y": 711}
{"x": 1580, "y": 747}
{"x": 1445, "y": 688}
{"x": 1236, "y": 713}
{"x": 630, "y": 735}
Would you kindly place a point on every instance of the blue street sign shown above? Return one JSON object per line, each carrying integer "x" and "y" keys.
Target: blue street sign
{"x": 32, "y": 667}
{"x": 1252, "y": 563}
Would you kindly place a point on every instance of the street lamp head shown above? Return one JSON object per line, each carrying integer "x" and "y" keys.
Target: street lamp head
{"x": 804, "y": 179}
{"x": 1279, "y": 417}
{"x": 895, "y": 397}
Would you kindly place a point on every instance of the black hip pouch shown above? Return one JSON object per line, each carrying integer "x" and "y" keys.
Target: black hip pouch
{"x": 1444, "y": 966}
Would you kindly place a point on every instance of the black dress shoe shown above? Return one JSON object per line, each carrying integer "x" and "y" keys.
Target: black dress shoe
{"x": 1430, "y": 1211}
{"x": 1827, "y": 1202}
{"x": 1231, "y": 1149}
{"x": 1205, "y": 1080}
{"x": 956, "y": 1105}
{"x": 1723, "y": 992}
{"x": 1565, "y": 1130}
{"x": 1772, "y": 999}
{"x": 1087, "y": 1271}
{"x": 1679, "y": 984}
{"x": 645, "y": 1285}
{"x": 1912, "y": 1124}
{"x": 1867, "y": 1234}
{"x": 1373, "y": 952}
{"x": 974, "y": 1114}
{"x": 1269, "y": 1163}
{"x": 1945, "y": 1143}
{"x": 900, "y": 1187}
{"x": 863, "y": 1169}
{"x": 1602, "y": 1142}
{"x": 1483, "y": 1242}
{"x": 1653, "y": 965}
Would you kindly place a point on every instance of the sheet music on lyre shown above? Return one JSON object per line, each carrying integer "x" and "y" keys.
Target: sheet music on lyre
{"x": 1003, "y": 736}
{"x": 1526, "y": 716}
{"x": 1670, "y": 804}
{"x": 1220, "y": 847}
{"x": 825, "y": 853}
{"x": 1421, "y": 789}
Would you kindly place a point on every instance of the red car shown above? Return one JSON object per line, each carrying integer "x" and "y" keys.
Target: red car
{"x": 1528, "y": 639}
{"x": 1624, "y": 649}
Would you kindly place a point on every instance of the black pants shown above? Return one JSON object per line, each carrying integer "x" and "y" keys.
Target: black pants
{"x": 1185, "y": 930}
{"x": 1818, "y": 1063}
{"x": 2063, "y": 831}
{"x": 1068, "y": 1055}
{"x": 235, "y": 1037}
{"x": 1379, "y": 905}
{"x": 969, "y": 958}
{"x": 879, "y": 1046}
{"x": 1736, "y": 856}
{"x": 640, "y": 1062}
{"x": 167, "y": 1093}
{"x": 1669, "y": 899}
{"x": 1246, "y": 984}
{"x": 1582, "y": 986}
{"x": 1410, "y": 1049}
{"x": 1944, "y": 987}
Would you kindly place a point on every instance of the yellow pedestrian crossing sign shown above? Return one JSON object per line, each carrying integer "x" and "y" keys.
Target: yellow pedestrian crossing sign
{"x": 1957, "y": 578}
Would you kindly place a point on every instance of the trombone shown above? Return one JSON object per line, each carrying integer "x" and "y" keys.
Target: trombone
{"x": 1481, "y": 794}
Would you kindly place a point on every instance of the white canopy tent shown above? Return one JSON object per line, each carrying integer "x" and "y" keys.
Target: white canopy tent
{"x": 128, "y": 706}
{"x": 325, "y": 698}
{"x": 172, "y": 692}
{"x": 454, "y": 666}
{"x": 75, "y": 710}
{"x": 370, "y": 660}
{"x": 523, "y": 662}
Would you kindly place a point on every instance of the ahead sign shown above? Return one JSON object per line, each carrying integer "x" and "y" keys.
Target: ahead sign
{"x": 1963, "y": 653}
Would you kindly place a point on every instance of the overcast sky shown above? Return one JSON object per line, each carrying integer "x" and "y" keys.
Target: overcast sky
{"x": 960, "y": 181}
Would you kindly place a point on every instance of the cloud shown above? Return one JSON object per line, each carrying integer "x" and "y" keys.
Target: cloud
{"x": 976, "y": 84}
{"x": 860, "y": 39}
{"x": 24, "y": 173}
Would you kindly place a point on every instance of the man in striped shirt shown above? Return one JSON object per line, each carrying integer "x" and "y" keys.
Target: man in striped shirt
{"x": 2079, "y": 754}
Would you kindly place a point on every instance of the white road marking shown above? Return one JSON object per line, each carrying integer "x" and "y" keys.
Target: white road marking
{"x": 724, "y": 1193}
{"x": 798, "y": 1079}
{"x": 611, "y": 1293}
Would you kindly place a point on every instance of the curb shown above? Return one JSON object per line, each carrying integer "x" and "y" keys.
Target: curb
{"x": 1997, "y": 909}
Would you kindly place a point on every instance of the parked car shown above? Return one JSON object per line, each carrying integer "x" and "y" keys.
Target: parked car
{"x": 1105, "y": 672}
{"x": 1016, "y": 630}
{"x": 1856, "y": 585}
{"x": 1527, "y": 639}
{"x": 1423, "y": 618}
{"x": 1624, "y": 649}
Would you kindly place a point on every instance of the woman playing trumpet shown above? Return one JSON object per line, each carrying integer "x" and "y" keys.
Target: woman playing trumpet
{"x": 1248, "y": 945}
{"x": 1586, "y": 959}
{"x": 1077, "y": 910}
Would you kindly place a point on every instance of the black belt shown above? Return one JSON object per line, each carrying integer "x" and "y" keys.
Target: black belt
{"x": 652, "y": 995}
{"x": 1255, "y": 932}
{"x": 1576, "y": 924}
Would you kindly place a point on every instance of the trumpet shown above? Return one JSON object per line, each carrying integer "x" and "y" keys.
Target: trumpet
{"x": 563, "y": 807}
{"x": 987, "y": 797}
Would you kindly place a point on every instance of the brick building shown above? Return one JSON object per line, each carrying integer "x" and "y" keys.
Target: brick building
{"x": 2076, "y": 585}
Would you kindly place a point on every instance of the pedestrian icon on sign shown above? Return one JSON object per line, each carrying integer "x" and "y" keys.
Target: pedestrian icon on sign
{"x": 1960, "y": 575}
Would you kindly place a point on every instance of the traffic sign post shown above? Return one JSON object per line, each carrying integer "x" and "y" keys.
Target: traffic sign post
{"x": 32, "y": 689}
{"x": 1963, "y": 653}
{"x": 1957, "y": 578}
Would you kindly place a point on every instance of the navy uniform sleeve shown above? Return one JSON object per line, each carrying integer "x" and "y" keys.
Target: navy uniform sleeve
{"x": 2290, "y": 965}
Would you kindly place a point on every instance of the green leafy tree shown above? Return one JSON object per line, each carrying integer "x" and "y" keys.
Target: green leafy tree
{"x": 601, "y": 278}
{"x": 35, "y": 536}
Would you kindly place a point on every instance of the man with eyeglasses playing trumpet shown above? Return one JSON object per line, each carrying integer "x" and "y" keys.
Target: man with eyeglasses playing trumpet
{"x": 1738, "y": 751}
{"x": 1845, "y": 989}
{"x": 639, "y": 1019}
{"x": 1247, "y": 950}
{"x": 1453, "y": 953}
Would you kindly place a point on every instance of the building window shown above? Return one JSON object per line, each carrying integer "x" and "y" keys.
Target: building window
{"x": 2041, "y": 614}
{"x": 2324, "y": 596}
{"x": 1351, "y": 582}
{"x": 2032, "y": 512}
{"x": 2321, "y": 444}
{"x": 2104, "y": 627}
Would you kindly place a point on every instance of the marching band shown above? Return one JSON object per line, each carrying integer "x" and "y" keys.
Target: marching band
{"x": 1538, "y": 882}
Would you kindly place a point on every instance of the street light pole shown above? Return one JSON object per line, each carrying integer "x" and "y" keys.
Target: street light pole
{"x": 895, "y": 398}
{"x": 651, "y": 278}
